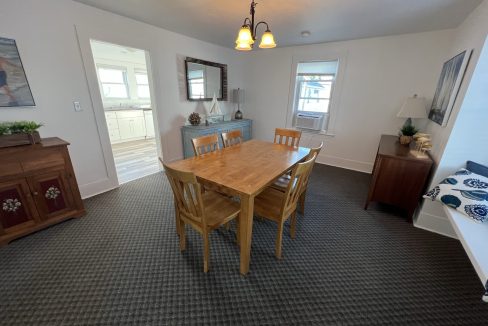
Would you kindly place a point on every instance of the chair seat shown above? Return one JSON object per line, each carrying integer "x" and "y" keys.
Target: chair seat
{"x": 218, "y": 209}
{"x": 282, "y": 183}
{"x": 268, "y": 204}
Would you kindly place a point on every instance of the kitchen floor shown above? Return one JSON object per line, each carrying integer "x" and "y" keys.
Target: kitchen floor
{"x": 135, "y": 159}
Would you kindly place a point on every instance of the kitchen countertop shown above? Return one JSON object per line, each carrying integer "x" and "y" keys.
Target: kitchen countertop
{"x": 126, "y": 109}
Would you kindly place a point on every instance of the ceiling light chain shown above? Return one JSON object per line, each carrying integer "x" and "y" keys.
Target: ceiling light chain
{"x": 247, "y": 33}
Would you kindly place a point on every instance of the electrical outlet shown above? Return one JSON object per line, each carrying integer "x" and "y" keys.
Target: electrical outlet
{"x": 77, "y": 106}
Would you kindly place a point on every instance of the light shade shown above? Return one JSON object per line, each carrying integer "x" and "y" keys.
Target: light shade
{"x": 244, "y": 39}
{"x": 267, "y": 41}
{"x": 243, "y": 47}
{"x": 413, "y": 107}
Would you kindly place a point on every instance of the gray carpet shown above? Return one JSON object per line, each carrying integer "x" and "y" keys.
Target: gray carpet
{"x": 120, "y": 265}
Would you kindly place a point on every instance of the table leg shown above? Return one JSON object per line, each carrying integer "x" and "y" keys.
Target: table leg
{"x": 245, "y": 222}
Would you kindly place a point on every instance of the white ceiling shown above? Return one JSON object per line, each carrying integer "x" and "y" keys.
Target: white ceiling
{"x": 217, "y": 21}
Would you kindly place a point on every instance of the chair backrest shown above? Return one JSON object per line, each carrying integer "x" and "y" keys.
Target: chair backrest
{"x": 205, "y": 144}
{"x": 315, "y": 150}
{"x": 299, "y": 177}
{"x": 288, "y": 137}
{"x": 187, "y": 193}
{"x": 232, "y": 138}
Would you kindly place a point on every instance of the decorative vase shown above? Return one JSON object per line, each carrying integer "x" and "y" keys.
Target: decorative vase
{"x": 238, "y": 115}
{"x": 405, "y": 140}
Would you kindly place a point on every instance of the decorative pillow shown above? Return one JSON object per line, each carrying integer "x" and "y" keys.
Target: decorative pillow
{"x": 477, "y": 168}
{"x": 465, "y": 191}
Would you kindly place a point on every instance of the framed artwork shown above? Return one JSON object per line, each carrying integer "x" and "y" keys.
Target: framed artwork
{"x": 447, "y": 87}
{"x": 14, "y": 88}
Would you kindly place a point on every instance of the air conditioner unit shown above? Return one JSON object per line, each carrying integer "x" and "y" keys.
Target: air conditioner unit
{"x": 309, "y": 121}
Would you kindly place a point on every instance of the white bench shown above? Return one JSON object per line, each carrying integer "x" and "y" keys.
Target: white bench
{"x": 474, "y": 238}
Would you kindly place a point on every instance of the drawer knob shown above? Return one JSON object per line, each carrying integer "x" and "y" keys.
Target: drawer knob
{"x": 35, "y": 193}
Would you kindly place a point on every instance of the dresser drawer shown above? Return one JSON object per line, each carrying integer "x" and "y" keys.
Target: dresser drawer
{"x": 10, "y": 167}
{"x": 46, "y": 159}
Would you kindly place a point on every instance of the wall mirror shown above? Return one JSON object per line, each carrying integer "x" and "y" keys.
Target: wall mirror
{"x": 204, "y": 79}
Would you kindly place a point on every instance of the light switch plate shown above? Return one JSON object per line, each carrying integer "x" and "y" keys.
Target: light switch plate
{"x": 77, "y": 106}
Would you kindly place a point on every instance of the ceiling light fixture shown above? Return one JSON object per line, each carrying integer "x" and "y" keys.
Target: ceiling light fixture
{"x": 247, "y": 34}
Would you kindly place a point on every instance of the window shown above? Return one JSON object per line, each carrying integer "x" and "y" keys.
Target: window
{"x": 196, "y": 83}
{"x": 314, "y": 85}
{"x": 114, "y": 82}
{"x": 142, "y": 83}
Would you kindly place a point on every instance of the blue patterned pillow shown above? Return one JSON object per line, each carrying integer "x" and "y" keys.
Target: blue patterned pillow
{"x": 465, "y": 191}
{"x": 477, "y": 168}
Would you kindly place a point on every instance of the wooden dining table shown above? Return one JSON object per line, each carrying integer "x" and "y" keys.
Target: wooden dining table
{"x": 245, "y": 171}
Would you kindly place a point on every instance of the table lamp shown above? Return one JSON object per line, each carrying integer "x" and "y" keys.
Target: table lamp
{"x": 238, "y": 98}
{"x": 413, "y": 108}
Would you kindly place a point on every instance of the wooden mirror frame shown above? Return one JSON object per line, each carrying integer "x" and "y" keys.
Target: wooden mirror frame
{"x": 223, "y": 78}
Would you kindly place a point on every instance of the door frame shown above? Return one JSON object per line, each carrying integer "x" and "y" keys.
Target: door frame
{"x": 84, "y": 39}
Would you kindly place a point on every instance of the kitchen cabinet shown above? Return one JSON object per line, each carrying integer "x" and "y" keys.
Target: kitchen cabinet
{"x": 126, "y": 125}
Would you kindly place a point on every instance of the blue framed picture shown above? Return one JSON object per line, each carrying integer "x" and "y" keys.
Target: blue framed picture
{"x": 14, "y": 88}
{"x": 448, "y": 87}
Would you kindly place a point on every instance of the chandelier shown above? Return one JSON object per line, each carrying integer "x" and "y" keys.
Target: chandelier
{"x": 247, "y": 34}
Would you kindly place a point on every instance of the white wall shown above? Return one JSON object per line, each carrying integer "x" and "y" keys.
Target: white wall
{"x": 465, "y": 137}
{"x": 48, "y": 45}
{"x": 378, "y": 75}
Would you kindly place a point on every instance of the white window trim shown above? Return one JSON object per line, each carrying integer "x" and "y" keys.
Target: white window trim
{"x": 126, "y": 81}
{"x": 336, "y": 93}
{"x": 141, "y": 72}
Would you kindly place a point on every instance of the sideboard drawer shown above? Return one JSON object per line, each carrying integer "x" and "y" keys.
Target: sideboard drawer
{"x": 48, "y": 159}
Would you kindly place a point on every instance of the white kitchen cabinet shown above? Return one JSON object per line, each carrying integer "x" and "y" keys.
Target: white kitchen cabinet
{"x": 148, "y": 117}
{"x": 125, "y": 125}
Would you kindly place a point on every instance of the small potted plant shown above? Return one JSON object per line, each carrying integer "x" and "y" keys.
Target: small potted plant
{"x": 406, "y": 134}
{"x": 19, "y": 133}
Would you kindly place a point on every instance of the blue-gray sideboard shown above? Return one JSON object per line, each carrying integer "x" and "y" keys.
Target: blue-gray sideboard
{"x": 189, "y": 132}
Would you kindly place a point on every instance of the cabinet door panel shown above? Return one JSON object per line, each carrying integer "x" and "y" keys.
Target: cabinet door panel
{"x": 138, "y": 127}
{"x": 17, "y": 207}
{"x": 51, "y": 194}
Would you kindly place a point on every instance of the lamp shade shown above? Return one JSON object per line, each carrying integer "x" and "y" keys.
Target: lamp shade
{"x": 244, "y": 39}
{"x": 267, "y": 41}
{"x": 413, "y": 107}
{"x": 238, "y": 96}
{"x": 243, "y": 47}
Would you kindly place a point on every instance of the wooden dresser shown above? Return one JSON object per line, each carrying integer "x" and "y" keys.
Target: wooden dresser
{"x": 189, "y": 132}
{"x": 37, "y": 188}
{"x": 399, "y": 178}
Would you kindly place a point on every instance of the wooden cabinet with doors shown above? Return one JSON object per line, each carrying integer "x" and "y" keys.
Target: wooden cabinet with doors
{"x": 37, "y": 188}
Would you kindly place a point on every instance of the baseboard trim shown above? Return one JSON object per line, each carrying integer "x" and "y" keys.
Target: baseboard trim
{"x": 95, "y": 188}
{"x": 436, "y": 224}
{"x": 344, "y": 163}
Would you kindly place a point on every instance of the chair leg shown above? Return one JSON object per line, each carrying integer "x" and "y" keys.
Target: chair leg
{"x": 279, "y": 237}
{"x": 182, "y": 235}
{"x": 206, "y": 251}
{"x": 177, "y": 220}
{"x": 302, "y": 203}
{"x": 238, "y": 232}
{"x": 293, "y": 223}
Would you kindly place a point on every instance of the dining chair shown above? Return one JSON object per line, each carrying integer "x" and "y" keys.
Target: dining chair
{"x": 278, "y": 206}
{"x": 288, "y": 137}
{"x": 232, "y": 138}
{"x": 282, "y": 183}
{"x": 205, "y": 144}
{"x": 202, "y": 211}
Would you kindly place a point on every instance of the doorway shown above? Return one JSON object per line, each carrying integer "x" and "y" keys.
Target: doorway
{"x": 124, "y": 84}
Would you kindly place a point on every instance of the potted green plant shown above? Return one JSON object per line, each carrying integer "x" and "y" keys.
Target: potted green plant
{"x": 406, "y": 134}
{"x": 17, "y": 133}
